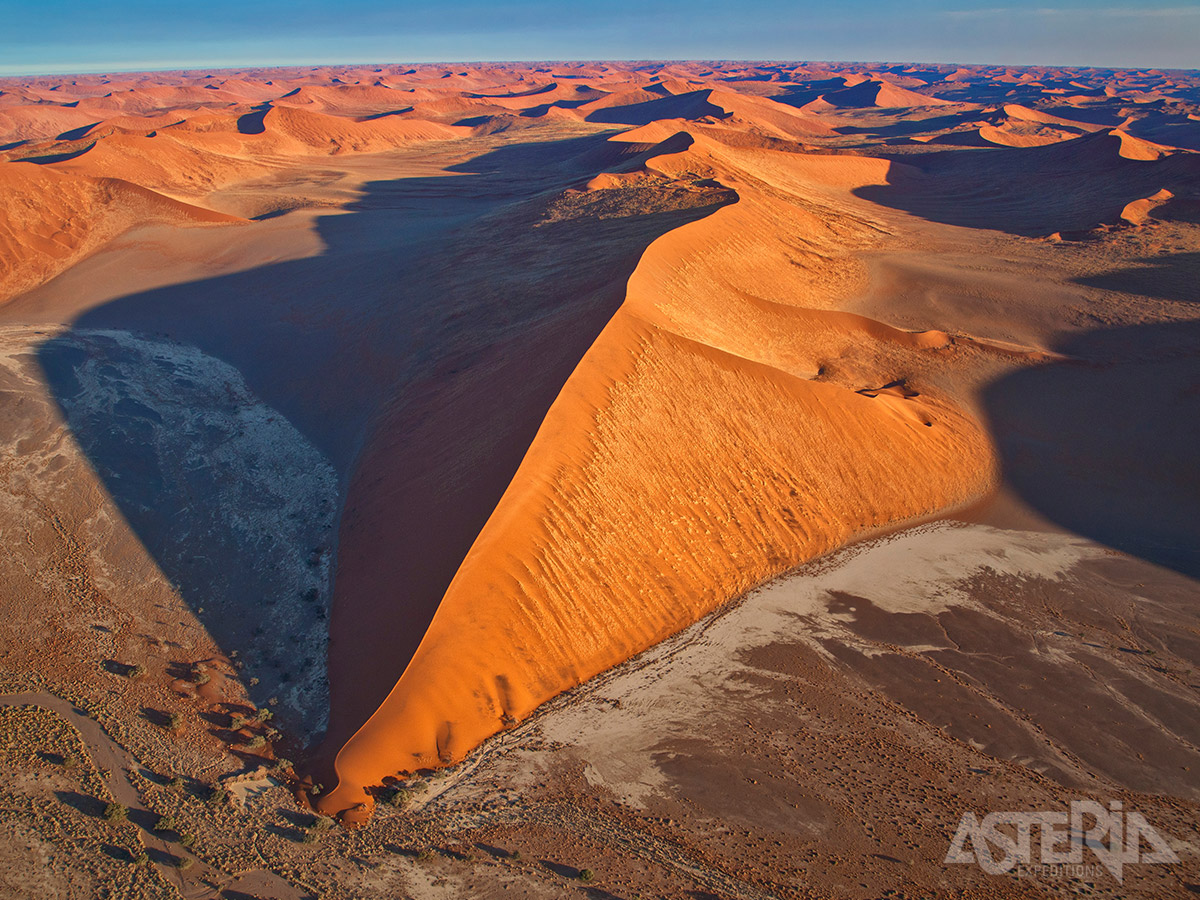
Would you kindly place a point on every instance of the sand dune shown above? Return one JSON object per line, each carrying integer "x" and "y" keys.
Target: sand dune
{"x": 643, "y": 107}
{"x": 347, "y": 100}
{"x": 331, "y": 134}
{"x": 1016, "y": 111}
{"x": 872, "y": 92}
{"x": 1075, "y": 185}
{"x": 39, "y": 123}
{"x": 1137, "y": 212}
{"x": 596, "y": 348}
{"x": 51, "y": 220}
{"x": 801, "y": 451}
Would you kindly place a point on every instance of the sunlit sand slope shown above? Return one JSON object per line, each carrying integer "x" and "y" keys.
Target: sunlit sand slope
{"x": 50, "y": 220}
{"x": 722, "y": 428}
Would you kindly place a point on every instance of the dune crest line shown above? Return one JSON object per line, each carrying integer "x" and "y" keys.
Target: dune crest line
{"x": 726, "y": 425}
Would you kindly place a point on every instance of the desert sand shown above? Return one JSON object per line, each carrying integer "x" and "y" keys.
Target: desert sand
{"x": 404, "y": 402}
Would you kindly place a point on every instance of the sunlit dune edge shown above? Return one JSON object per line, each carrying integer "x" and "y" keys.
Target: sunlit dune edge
{"x": 743, "y": 411}
{"x": 725, "y": 426}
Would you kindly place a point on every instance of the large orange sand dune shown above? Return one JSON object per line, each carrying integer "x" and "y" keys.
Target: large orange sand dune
{"x": 688, "y": 280}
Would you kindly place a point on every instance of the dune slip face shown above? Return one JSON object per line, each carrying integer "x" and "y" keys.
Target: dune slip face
{"x": 559, "y": 359}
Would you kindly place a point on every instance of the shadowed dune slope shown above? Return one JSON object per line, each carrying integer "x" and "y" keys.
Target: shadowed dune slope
{"x": 1136, "y": 490}
{"x": 881, "y": 94}
{"x": 1072, "y": 185}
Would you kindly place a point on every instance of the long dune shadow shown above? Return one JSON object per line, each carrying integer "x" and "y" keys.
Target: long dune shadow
{"x": 1108, "y": 443}
{"x": 1170, "y": 276}
{"x": 906, "y": 127}
{"x": 231, "y": 418}
{"x": 1070, "y": 186}
{"x": 1104, "y": 444}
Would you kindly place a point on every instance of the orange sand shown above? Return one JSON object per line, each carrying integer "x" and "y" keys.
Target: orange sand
{"x": 711, "y": 438}
{"x": 734, "y": 417}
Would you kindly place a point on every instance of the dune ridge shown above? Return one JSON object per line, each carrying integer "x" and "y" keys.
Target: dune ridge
{"x": 754, "y": 401}
{"x": 726, "y": 425}
{"x": 53, "y": 220}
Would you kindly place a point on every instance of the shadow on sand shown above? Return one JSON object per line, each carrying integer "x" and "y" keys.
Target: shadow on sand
{"x": 230, "y": 417}
{"x": 1072, "y": 186}
{"x": 1107, "y": 444}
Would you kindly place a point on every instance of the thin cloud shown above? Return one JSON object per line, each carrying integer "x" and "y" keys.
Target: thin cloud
{"x": 1112, "y": 12}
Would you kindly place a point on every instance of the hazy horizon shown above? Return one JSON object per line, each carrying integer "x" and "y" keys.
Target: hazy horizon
{"x": 69, "y": 36}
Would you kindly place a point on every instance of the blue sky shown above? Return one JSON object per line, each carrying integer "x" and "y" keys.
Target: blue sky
{"x": 39, "y": 36}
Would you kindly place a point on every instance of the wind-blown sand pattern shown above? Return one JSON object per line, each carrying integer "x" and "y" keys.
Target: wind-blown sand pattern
{"x": 459, "y": 386}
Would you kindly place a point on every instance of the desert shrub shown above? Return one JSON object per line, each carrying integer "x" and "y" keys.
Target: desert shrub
{"x": 256, "y": 742}
{"x": 164, "y": 823}
{"x": 218, "y": 796}
{"x": 183, "y": 863}
{"x": 116, "y": 812}
{"x": 173, "y": 721}
{"x": 137, "y": 670}
{"x": 586, "y": 875}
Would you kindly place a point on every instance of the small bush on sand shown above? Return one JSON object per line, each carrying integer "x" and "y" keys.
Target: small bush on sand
{"x": 218, "y": 796}
{"x": 115, "y": 812}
